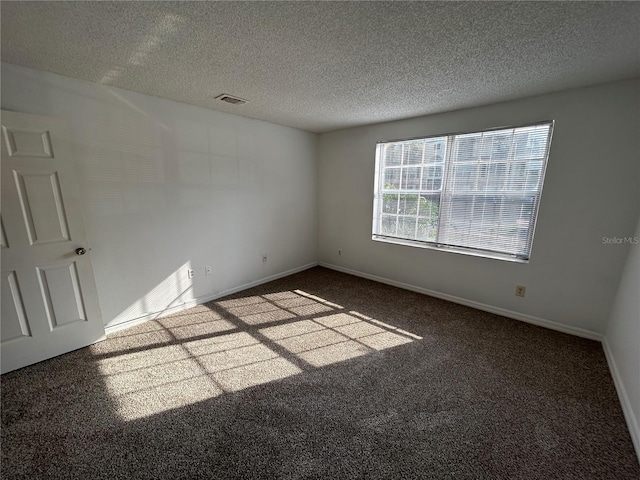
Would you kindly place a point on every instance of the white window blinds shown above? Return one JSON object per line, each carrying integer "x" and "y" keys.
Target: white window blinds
{"x": 475, "y": 192}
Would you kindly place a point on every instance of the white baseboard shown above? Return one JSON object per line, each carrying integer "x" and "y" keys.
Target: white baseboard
{"x": 542, "y": 322}
{"x": 629, "y": 415}
{"x": 202, "y": 299}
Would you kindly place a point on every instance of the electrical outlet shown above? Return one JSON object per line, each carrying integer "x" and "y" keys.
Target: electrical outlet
{"x": 190, "y": 273}
{"x": 264, "y": 258}
{"x": 208, "y": 270}
{"x": 339, "y": 252}
{"x": 520, "y": 290}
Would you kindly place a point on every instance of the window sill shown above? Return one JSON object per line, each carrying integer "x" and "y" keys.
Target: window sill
{"x": 458, "y": 250}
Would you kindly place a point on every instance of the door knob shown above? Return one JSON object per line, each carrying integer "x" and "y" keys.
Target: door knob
{"x": 80, "y": 251}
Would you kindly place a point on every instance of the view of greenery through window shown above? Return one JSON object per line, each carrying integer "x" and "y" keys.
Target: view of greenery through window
{"x": 476, "y": 191}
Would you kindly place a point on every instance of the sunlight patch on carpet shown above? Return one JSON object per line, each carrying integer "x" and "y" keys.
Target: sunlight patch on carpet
{"x": 232, "y": 345}
{"x": 334, "y": 338}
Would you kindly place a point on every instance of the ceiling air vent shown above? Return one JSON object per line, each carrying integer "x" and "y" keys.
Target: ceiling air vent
{"x": 230, "y": 99}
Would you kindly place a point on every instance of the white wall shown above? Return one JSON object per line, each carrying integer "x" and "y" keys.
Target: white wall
{"x": 591, "y": 191}
{"x": 622, "y": 340}
{"x": 168, "y": 186}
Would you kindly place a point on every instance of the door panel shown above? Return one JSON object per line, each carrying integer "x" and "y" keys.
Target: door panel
{"x": 49, "y": 298}
{"x": 3, "y": 238}
{"x": 60, "y": 289}
{"x": 24, "y": 143}
{"x": 14, "y": 316}
{"x": 42, "y": 207}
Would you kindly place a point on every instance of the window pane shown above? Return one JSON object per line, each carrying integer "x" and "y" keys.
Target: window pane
{"x": 427, "y": 231}
{"x": 406, "y": 227}
{"x": 530, "y": 142}
{"x": 524, "y": 176}
{"x": 414, "y": 152}
{"x": 533, "y": 172}
{"x": 432, "y": 178}
{"x": 466, "y": 147}
{"x": 388, "y": 225}
{"x": 464, "y": 178}
{"x": 516, "y": 176}
{"x": 496, "y": 177}
{"x": 429, "y": 207}
{"x": 501, "y": 147}
{"x": 393, "y": 154}
{"x": 434, "y": 150}
{"x": 408, "y": 205}
{"x": 390, "y": 203}
{"x": 411, "y": 178}
{"x": 391, "y": 179}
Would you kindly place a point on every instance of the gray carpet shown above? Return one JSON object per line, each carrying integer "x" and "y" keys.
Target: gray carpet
{"x": 320, "y": 375}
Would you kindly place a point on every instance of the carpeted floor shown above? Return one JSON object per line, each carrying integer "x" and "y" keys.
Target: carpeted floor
{"x": 320, "y": 375}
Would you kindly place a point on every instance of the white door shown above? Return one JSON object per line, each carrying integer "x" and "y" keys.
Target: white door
{"x": 49, "y": 299}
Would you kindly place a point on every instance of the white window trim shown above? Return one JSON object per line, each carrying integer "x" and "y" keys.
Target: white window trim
{"x": 484, "y": 253}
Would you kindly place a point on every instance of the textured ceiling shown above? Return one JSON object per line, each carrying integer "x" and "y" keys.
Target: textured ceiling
{"x": 321, "y": 66}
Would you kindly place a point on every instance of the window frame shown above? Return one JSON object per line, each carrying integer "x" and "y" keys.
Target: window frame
{"x": 447, "y": 167}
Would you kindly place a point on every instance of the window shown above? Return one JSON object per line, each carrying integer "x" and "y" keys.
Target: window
{"x": 474, "y": 193}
